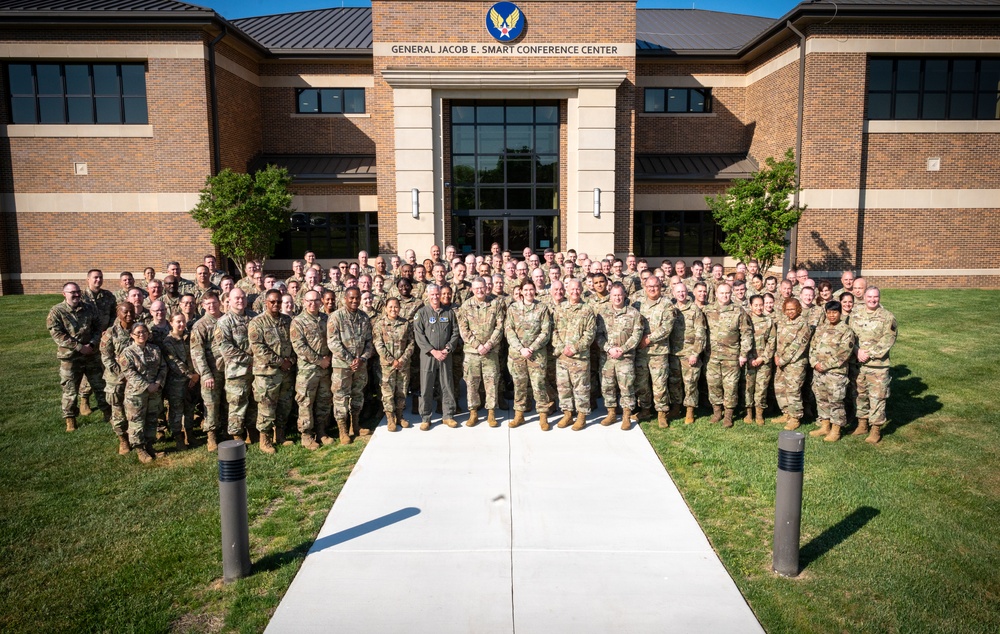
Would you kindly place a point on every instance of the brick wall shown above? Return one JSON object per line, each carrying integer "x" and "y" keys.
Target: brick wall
{"x": 241, "y": 122}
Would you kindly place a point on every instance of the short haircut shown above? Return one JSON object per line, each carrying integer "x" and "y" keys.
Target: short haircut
{"x": 95, "y": 271}
{"x": 834, "y": 305}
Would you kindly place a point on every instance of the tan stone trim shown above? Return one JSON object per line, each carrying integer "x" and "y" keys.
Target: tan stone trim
{"x": 499, "y": 79}
{"x": 683, "y": 115}
{"x": 240, "y": 71}
{"x": 23, "y": 130}
{"x": 330, "y": 115}
{"x": 935, "y": 46}
{"x": 69, "y": 277}
{"x": 44, "y": 50}
{"x": 333, "y": 203}
{"x": 691, "y": 81}
{"x": 483, "y": 49}
{"x": 318, "y": 81}
{"x": 902, "y": 198}
{"x": 931, "y": 127}
{"x": 135, "y": 202}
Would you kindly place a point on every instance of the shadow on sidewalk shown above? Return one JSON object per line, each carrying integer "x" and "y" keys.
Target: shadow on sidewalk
{"x": 363, "y": 529}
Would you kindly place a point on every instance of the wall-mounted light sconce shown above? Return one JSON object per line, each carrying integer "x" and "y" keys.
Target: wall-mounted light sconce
{"x": 597, "y": 202}
{"x": 415, "y": 202}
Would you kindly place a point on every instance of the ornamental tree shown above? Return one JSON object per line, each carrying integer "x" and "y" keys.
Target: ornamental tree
{"x": 756, "y": 213}
{"x": 247, "y": 213}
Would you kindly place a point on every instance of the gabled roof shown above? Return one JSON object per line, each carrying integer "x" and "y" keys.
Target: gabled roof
{"x": 695, "y": 30}
{"x": 34, "y": 7}
{"x": 323, "y": 168}
{"x": 693, "y": 167}
{"x": 341, "y": 29}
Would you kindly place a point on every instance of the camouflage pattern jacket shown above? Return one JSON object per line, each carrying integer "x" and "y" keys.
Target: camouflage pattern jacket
{"x": 831, "y": 347}
{"x": 730, "y": 333}
{"x": 308, "y": 335}
{"x": 481, "y": 323}
{"x": 270, "y": 343}
{"x": 178, "y": 357}
{"x": 142, "y": 367}
{"x": 73, "y": 328}
{"x": 113, "y": 343}
{"x": 204, "y": 350}
{"x": 104, "y": 304}
{"x": 658, "y": 323}
{"x": 792, "y": 342}
{"x": 232, "y": 340}
{"x": 690, "y": 332}
{"x": 575, "y": 326}
{"x": 393, "y": 339}
{"x": 619, "y": 328}
{"x": 528, "y": 327}
{"x": 349, "y": 336}
{"x": 876, "y": 332}
{"x": 765, "y": 334}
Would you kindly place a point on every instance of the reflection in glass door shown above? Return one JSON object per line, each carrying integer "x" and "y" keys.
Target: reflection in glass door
{"x": 490, "y": 230}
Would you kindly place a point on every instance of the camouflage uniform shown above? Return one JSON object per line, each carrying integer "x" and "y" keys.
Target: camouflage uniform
{"x": 652, "y": 363}
{"x": 730, "y": 336}
{"x": 791, "y": 358}
{"x": 208, "y": 363}
{"x": 104, "y": 304}
{"x": 271, "y": 345}
{"x": 618, "y": 328}
{"x": 598, "y": 304}
{"x": 393, "y": 339}
{"x": 481, "y": 323}
{"x": 199, "y": 292}
{"x": 688, "y": 338}
{"x": 113, "y": 343}
{"x": 231, "y": 339}
{"x": 180, "y": 371}
{"x": 72, "y": 329}
{"x": 142, "y": 367}
{"x": 876, "y": 333}
{"x": 831, "y": 347}
{"x": 575, "y": 326}
{"x": 529, "y": 327}
{"x": 312, "y": 383}
{"x": 407, "y": 310}
{"x": 349, "y": 336}
{"x": 765, "y": 333}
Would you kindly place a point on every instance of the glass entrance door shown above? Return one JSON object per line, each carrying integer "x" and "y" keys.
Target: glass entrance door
{"x": 510, "y": 233}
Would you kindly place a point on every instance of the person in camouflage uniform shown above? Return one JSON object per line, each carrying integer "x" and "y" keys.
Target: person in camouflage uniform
{"x": 408, "y": 307}
{"x": 529, "y": 329}
{"x": 208, "y": 363}
{"x": 104, "y": 304}
{"x": 113, "y": 342}
{"x": 232, "y": 341}
{"x": 652, "y": 362}
{"x": 875, "y": 328}
{"x": 75, "y": 327}
{"x": 574, "y": 328}
{"x": 791, "y": 355}
{"x": 181, "y": 377}
{"x": 759, "y": 367}
{"x": 145, "y": 372}
{"x": 688, "y": 339}
{"x": 481, "y": 323}
{"x": 273, "y": 359}
{"x": 730, "y": 342}
{"x": 393, "y": 339}
{"x": 308, "y": 332}
{"x": 619, "y": 331}
{"x": 349, "y": 337}
{"x": 829, "y": 351}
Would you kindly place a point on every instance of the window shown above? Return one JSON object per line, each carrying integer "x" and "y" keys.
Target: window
{"x": 677, "y": 234}
{"x": 77, "y": 93}
{"x": 933, "y": 88}
{"x": 678, "y": 100}
{"x": 330, "y": 101}
{"x": 329, "y": 235}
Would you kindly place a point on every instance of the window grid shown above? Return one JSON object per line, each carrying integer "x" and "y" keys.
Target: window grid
{"x": 330, "y": 101}
{"x": 77, "y": 93}
{"x": 678, "y": 100}
{"x": 933, "y": 88}
{"x": 684, "y": 233}
{"x": 329, "y": 235}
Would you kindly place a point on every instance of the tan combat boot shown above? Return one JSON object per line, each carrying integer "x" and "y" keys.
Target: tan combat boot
{"x": 343, "y": 432}
{"x": 309, "y": 442}
{"x": 727, "y": 418}
{"x": 626, "y": 419}
{"x": 473, "y": 418}
{"x": 405, "y": 424}
{"x": 450, "y": 422}
{"x": 689, "y": 416}
{"x": 123, "y": 447}
{"x": 265, "y": 443}
{"x": 581, "y": 421}
{"x": 759, "y": 415}
{"x": 491, "y": 418}
{"x": 792, "y": 424}
{"x": 661, "y": 420}
{"x": 144, "y": 456}
{"x": 390, "y": 421}
{"x": 781, "y": 419}
{"x": 356, "y": 427}
{"x": 823, "y": 429}
{"x": 212, "y": 441}
{"x": 862, "y": 427}
{"x": 519, "y": 419}
{"x": 874, "y": 435}
{"x": 70, "y": 423}
{"x": 834, "y": 434}
{"x": 321, "y": 436}
{"x": 611, "y": 418}
{"x": 716, "y": 414}
{"x": 241, "y": 436}
{"x": 543, "y": 421}
{"x": 566, "y": 419}
{"x": 85, "y": 407}
{"x": 748, "y": 419}
{"x": 425, "y": 426}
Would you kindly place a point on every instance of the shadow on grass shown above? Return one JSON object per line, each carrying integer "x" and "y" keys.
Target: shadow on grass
{"x": 835, "y": 535}
{"x": 907, "y": 399}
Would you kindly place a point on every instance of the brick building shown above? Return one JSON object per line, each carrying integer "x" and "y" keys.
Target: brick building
{"x": 591, "y": 125}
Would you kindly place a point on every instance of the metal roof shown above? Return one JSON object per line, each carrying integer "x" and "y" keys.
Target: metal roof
{"x": 125, "y": 6}
{"x": 661, "y": 167}
{"x": 341, "y": 28}
{"x": 323, "y": 168}
{"x": 694, "y": 29}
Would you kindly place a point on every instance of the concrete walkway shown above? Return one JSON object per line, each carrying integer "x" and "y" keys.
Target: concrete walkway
{"x": 511, "y": 530}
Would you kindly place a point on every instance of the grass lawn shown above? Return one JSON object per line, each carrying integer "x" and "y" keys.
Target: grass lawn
{"x": 896, "y": 538}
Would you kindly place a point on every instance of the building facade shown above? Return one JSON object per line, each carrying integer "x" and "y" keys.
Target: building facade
{"x": 544, "y": 123}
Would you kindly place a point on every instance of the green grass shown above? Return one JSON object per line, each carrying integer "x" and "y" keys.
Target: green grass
{"x": 901, "y": 537}
{"x": 896, "y": 538}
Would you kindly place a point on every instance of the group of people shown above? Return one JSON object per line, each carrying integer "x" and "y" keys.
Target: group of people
{"x": 558, "y": 329}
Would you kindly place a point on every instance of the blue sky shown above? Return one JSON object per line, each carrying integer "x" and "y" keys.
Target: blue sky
{"x": 233, "y": 9}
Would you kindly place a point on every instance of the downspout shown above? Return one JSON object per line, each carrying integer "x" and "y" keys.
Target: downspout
{"x": 214, "y": 96}
{"x": 791, "y": 253}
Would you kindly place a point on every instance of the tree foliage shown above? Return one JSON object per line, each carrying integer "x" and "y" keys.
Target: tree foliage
{"x": 247, "y": 213}
{"x": 756, "y": 213}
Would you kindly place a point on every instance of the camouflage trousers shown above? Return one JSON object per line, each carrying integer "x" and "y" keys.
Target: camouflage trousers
{"x": 723, "y": 376}
{"x": 215, "y": 403}
{"x": 652, "y": 378}
{"x": 242, "y": 408}
{"x": 550, "y": 374}
{"x": 620, "y": 374}
{"x": 458, "y": 371}
{"x": 873, "y": 392}
{"x": 313, "y": 394}
{"x": 142, "y": 409}
{"x": 573, "y": 384}
{"x": 179, "y": 403}
{"x": 274, "y": 399}
{"x": 529, "y": 376}
{"x": 393, "y": 385}
{"x": 482, "y": 369}
{"x": 114, "y": 393}
{"x": 758, "y": 380}
{"x": 830, "y": 389}
{"x": 788, "y": 383}
{"x": 348, "y": 388}
{"x": 71, "y": 372}
{"x": 683, "y": 381}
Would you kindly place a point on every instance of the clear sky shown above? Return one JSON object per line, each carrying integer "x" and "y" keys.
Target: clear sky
{"x": 233, "y": 9}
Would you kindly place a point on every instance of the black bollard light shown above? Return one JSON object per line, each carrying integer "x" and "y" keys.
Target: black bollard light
{"x": 788, "y": 503}
{"x": 233, "y": 505}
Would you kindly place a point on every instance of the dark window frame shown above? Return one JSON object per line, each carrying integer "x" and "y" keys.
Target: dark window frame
{"x": 127, "y": 96}
{"x": 342, "y": 94}
{"x": 704, "y": 91}
{"x": 901, "y": 99}
{"x": 658, "y": 243}
{"x": 321, "y": 231}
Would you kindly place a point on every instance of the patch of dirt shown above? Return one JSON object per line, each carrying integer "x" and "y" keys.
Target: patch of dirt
{"x": 198, "y": 623}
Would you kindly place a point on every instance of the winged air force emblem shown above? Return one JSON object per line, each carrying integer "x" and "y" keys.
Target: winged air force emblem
{"x": 504, "y": 21}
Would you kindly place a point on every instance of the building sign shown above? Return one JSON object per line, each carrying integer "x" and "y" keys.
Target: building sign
{"x": 504, "y": 21}
{"x": 451, "y": 49}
